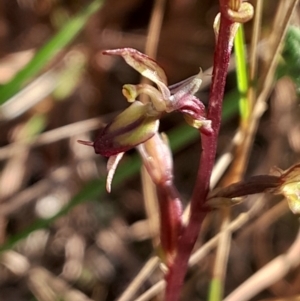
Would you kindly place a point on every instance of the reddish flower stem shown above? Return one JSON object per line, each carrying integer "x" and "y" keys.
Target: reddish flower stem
{"x": 170, "y": 218}
{"x": 177, "y": 271}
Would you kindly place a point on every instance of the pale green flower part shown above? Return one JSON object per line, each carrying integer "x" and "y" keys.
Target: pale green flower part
{"x": 290, "y": 187}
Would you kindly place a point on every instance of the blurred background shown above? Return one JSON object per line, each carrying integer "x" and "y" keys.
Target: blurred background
{"x": 62, "y": 236}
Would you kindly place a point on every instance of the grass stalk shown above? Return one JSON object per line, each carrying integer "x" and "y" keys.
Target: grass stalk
{"x": 242, "y": 74}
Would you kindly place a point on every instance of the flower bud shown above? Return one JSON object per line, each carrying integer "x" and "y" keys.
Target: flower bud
{"x": 131, "y": 127}
{"x": 157, "y": 158}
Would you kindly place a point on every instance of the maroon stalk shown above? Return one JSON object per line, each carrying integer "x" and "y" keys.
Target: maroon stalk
{"x": 158, "y": 161}
{"x": 177, "y": 271}
{"x": 170, "y": 219}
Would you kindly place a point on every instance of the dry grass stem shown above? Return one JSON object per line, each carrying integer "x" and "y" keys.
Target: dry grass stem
{"x": 155, "y": 28}
{"x": 268, "y": 218}
{"x": 151, "y": 206}
{"x": 223, "y": 249}
{"x": 153, "y": 291}
{"x": 52, "y": 136}
{"x": 254, "y": 52}
{"x": 204, "y": 250}
{"x": 142, "y": 276}
{"x": 225, "y": 159}
{"x": 30, "y": 96}
{"x": 269, "y": 274}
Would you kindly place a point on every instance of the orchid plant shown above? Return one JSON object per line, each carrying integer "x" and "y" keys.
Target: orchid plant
{"x": 140, "y": 121}
{"x": 138, "y": 127}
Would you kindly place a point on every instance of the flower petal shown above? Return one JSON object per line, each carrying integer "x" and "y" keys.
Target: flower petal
{"x": 144, "y": 65}
{"x": 112, "y": 164}
{"x": 131, "y": 92}
{"x": 190, "y": 85}
{"x": 194, "y": 112}
{"x": 157, "y": 158}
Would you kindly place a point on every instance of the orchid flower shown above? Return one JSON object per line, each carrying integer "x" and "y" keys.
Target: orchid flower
{"x": 140, "y": 121}
{"x": 290, "y": 187}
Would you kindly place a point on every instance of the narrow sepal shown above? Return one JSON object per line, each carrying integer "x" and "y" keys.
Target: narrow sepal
{"x": 145, "y": 65}
{"x": 112, "y": 164}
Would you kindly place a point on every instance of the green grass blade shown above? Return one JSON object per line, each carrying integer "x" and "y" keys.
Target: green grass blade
{"x": 47, "y": 52}
{"x": 215, "y": 290}
{"x": 241, "y": 72}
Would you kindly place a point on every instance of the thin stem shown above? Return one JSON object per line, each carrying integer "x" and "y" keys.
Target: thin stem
{"x": 205, "y": 249}
{"x": 151, "y": 206}
{"x": 216, "y": 289}
{"x": 170, "y": 218}
{"x": 253, "y": 58}
{"x": 220, "y": 266}
{"x": 51, "y": 136}
{"x": 155, "y": 28}
{"x": 186, "y": 243}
